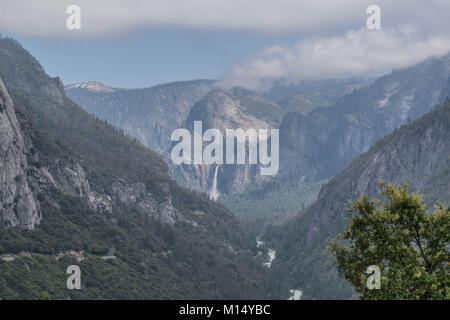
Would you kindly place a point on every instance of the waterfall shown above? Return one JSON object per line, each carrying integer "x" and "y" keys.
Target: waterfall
{"x": 214, "y": 194}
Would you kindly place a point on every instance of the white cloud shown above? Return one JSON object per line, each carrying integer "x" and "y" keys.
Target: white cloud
{"x": 46, "y": 18}
{"x": 356, "y": 53}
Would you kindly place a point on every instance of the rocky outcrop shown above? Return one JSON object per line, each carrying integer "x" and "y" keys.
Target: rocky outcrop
{"x": 18, "y": 205}
{"x": 221, "y": 110}
{"x": 68, "y": 177}
{"x": 137, "y": 195}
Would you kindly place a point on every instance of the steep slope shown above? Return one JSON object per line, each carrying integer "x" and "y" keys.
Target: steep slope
{"x": 418, "y": 153}
{"x": 107, "y": 204}
{"x": 150, "y": 114}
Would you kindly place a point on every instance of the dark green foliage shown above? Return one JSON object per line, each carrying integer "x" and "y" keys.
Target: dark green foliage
{"x": 407, "y": 244}
{"x": 153, "y": 260}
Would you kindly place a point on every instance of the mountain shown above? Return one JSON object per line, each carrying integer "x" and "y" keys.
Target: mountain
{"x": 329, "y": 138}
{"x": 324, "y": 125}
{"x": 418, "y": 153}
{"x": 316, "y": 146}
{"x": 74, "y": 190}
{"x": 79, "y": 89}
{"x": 150, "y": 114}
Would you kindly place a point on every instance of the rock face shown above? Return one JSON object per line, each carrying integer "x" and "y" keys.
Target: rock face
{"x": 418, "y": 153}
{"x": 68, "y": 177}
{"x": 327, "y": 139}
{"x": 18, "y": 205}
{"x": 222, "y": 110}
{"x": 137, "y": 195}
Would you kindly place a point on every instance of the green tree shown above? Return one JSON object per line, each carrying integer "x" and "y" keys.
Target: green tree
{"x": 410, "y": 246}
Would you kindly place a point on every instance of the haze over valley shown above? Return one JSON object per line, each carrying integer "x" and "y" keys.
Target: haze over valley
{"x": 238, "y": 150}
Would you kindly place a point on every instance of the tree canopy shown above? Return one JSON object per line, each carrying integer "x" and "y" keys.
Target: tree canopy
{"x": 409, "y": 244}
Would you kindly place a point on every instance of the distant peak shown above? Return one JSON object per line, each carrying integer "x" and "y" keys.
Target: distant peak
{"x": 93, "y": 86}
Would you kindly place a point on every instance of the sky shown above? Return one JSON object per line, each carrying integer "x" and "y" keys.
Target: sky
{"x": 249, "y": 43}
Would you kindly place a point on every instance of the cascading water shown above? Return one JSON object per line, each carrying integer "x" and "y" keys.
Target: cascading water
{"x": 214, "y": 193}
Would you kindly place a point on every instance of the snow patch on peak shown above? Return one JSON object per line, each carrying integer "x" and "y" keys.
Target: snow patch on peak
{"x": 93, "y": 86}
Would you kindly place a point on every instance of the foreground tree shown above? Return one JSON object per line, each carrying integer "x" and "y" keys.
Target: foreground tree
{"x": 410, "y": 246}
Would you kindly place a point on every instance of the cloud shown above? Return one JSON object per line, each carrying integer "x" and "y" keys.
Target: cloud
{"x": 356, "y": 53}
{"x": 46, "y": 18}
{"x": 412, "y": 30}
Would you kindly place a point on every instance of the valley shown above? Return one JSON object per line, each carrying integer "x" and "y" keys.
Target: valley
{"x": 348, "y": 117}
{"x": 89, "y": 177}
{"x": 315, "y": 146}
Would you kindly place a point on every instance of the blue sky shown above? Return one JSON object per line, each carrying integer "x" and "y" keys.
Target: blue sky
{"x": 149, "y": 56}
